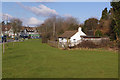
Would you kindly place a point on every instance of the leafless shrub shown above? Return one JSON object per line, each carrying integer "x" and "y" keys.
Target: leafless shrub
{"x": 86, "y": 44}
{"x": 105, "y": 43}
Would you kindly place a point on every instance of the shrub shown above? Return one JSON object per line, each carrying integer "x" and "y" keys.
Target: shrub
{"x": 98, "y": 33}
{"x": 105, "y": 43}
{"x": 87, "y": 44}
{"x": 44, "y": 39}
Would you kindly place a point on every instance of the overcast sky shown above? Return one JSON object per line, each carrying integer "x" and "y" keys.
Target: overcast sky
{"x": 34, "y": 13}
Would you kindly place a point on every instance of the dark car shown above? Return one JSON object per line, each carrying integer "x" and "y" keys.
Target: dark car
{"x": 4, "y": 38}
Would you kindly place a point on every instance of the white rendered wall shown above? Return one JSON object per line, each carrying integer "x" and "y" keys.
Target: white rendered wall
{"x": 62, "y": 40}
{"x": 75, "y": 39}
{"x": 77, "y": 35}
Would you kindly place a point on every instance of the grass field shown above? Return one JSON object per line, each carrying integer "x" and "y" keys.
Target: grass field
{"x": 32, "y": 59}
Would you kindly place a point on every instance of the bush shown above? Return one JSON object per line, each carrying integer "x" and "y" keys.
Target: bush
{"x": 87, "y": 44}
{"x": 44, "y": 39}
{"x": 98, "y": 33}
{"x": 105, "y": 43}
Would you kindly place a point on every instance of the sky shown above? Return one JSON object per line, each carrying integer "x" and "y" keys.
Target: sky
{"x": 34, "y": 13}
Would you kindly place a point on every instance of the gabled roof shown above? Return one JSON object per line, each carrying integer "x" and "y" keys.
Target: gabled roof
{"x": 68, "y": 34}
{"x": 29, "y": 29}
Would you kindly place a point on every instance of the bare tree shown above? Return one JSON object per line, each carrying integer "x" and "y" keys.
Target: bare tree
{"x": 56, "y": 25}
{"x": 104, "y": 26}
{"x": 16, "y": 25}
{"x": 70, "y": 23}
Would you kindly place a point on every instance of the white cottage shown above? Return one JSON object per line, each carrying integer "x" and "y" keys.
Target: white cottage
{"x": 71, "y": 37}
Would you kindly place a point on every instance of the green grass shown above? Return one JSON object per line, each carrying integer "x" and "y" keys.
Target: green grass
{"x": 32, "y": 59}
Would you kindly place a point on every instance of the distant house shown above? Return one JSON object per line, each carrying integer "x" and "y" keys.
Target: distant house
{"x": 7, "y": 30}
{"x": 71, "y": 38}
{"x": 32, "y": 32}
{"x": 29, "y": 31}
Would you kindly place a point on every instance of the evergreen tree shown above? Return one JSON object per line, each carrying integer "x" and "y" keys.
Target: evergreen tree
{"x": 116, "y": 18}
{"x": 105, "y": 14}
{"x": 90, "y": 24}
{"x": 98, "y": 33}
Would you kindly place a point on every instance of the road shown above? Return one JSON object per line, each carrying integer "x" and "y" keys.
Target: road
{"x": 10, "y": 40}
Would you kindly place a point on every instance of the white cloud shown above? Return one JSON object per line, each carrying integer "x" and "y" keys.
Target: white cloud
{"x": 5, "y": 17}
{"x": 41, "y": 10}
{"x": 28, "y": 0}
{"x": 33, "y": 21}
{"x": 26, "y": 21}
{"x": 67, "y": 15}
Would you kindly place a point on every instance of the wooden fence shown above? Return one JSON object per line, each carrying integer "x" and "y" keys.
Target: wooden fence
{"x": 53, "y": 43}
{"x": 62, "y": 44}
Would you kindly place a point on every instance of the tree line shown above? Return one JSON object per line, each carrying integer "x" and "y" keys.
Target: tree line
{"x": 56, "y": 25}
{"x": 15, "y": 23}
{"x": 108, "y": 25}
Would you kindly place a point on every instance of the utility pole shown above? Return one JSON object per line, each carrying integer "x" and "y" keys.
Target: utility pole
{"x": 7, "y": 31}
{"x": 54, "y": 29}
{"x": 3, "y": 47}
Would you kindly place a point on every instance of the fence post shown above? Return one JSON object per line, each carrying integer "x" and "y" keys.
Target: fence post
{"x": 57, "y": 45}
{"x": 3, "y": 47}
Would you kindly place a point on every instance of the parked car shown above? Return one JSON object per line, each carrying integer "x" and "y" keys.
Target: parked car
{"x": 4, "y": 38}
